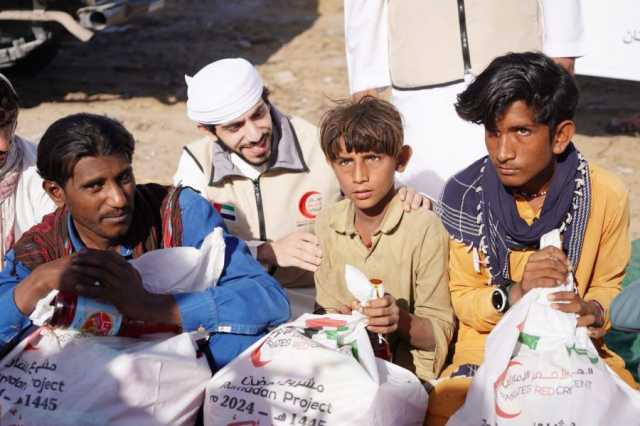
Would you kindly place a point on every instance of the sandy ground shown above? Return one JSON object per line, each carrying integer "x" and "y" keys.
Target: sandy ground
{"x": 135, "y": 74}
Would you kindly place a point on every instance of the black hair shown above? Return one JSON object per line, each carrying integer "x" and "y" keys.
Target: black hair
{"x": 75, "y": 136}
{"x": 532, "y": 77}
{"x": 8, "y": 102}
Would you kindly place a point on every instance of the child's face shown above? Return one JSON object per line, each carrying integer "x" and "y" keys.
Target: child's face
{"x": 521, "y": 149}
{"x": 365, "y": 177}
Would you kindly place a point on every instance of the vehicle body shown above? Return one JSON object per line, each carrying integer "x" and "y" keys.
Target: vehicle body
{"x": 29, "y": 29}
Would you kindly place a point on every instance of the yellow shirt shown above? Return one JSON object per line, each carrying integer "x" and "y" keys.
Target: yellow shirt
{"x": 409, "y": 254}
{"x": 604, "y": 257}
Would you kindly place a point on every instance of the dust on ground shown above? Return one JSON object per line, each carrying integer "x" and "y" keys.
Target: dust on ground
{"x": 136, "y": 74}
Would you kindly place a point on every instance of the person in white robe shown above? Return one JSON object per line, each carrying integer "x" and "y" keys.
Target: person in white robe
{"x": 417, "y": 48}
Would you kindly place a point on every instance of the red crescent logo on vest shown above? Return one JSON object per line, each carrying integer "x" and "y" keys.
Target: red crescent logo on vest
{"x": 499, "y": 411}
{"x": 310, "y": 204}
{"x": 255, "y": 357}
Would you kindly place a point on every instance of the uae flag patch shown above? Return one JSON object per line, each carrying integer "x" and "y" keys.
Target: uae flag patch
{"x": 227, "y": 211}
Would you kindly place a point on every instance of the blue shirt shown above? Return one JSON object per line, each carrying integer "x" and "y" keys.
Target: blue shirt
{"x": 624, "y": 311}
{"x": 244, "y": 304}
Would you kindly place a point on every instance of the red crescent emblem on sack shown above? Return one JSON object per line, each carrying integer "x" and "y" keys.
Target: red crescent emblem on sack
{"x": 255, "y": 357}
{"x": 306, "y": 207}
{"x": 499, "y": 411}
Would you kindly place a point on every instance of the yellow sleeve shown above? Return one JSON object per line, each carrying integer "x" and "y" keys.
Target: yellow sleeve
{"x": 432, "y": 298}
{"x": 470, "y": 294}
{"x": 327, "y": 277}
{"x": 614, "y": 252}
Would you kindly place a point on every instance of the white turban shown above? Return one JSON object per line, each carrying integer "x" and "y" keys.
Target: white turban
{"x": 223, "y": 91}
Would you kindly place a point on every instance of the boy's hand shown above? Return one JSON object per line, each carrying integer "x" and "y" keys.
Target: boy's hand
{"x": 413, "y": 200}
{"x": 383, "y": 313}
{"x": 590, "y": 313}
{"x": 344, "y": 310}
{"x": 299, "y": 249}
{"x": 545, "y": 268}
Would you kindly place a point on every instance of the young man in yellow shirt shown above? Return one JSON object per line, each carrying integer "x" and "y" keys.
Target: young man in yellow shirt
{"x": 371, "y": 230}
{"x": 532, "y": 181}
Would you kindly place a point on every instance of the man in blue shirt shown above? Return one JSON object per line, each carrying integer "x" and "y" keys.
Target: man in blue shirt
{"x": 103, "y": 219}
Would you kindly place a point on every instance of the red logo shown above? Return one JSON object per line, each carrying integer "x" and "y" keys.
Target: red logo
{"x": 323, "y": 322}
{"x": 499, "y": 411}
{"x": 310, "y": 204}
{"x": 99, "y": 324}
{"x": 255, "y": 357}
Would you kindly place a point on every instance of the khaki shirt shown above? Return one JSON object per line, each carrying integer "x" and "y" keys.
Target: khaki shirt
{"x": 409, "y": 254}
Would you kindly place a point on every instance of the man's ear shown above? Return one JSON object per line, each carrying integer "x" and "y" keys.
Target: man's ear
{"x": 563, "y": 135}
{"x": 403, "y": 158}
{"x": 207, "y": 130}
{"x": 55, "y": 192}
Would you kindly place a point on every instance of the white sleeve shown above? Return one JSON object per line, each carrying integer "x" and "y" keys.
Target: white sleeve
{"x": 366, "y": 44}
{"x": 32, "y": 202}
{"x": 563, "y": 28}
{"x": 190, "y": 174}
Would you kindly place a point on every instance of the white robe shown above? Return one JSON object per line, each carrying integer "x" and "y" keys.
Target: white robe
{"x": 442, "y": 143}
{"x": 30, "y": 200}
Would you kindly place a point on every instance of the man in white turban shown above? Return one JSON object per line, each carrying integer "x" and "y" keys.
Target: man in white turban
{"x": 263, "y": 171}
{"x": 23, "y": 202}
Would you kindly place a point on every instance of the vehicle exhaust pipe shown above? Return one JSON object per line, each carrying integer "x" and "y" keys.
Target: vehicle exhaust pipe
{"x": 116, "y": 12}
{"x": 62, "y": 18}
{"x": 99, "y": 17}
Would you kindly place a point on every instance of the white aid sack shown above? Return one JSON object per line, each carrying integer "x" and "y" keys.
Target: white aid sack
{"x": 330, "y": 378}
{"x": 166, "y": 271}
{"x": 64, "y": 377}
{"x": 183, "y": 269}
{"x": 540, "y": 369}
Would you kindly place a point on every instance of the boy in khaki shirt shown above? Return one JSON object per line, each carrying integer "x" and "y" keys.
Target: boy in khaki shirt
{"x": 370, "y": 230}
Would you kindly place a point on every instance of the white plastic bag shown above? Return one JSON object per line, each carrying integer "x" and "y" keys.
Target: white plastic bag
{"x": 166, "y": 271}
{"x": 540, "y": 369}
{"x": 288, "y": 378}
{"x": 62, "y": 377}
{"x": 183, "y": 269}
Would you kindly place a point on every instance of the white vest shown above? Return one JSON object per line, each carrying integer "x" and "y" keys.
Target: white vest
{"x": 281, "y": 201}
{"x": 425, "y": 44}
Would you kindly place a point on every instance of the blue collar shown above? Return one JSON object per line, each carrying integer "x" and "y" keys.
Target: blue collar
{"x": 78, "y": 245}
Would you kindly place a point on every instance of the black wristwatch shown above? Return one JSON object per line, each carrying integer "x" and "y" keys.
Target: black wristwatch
{"x": 500, "y": 297}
